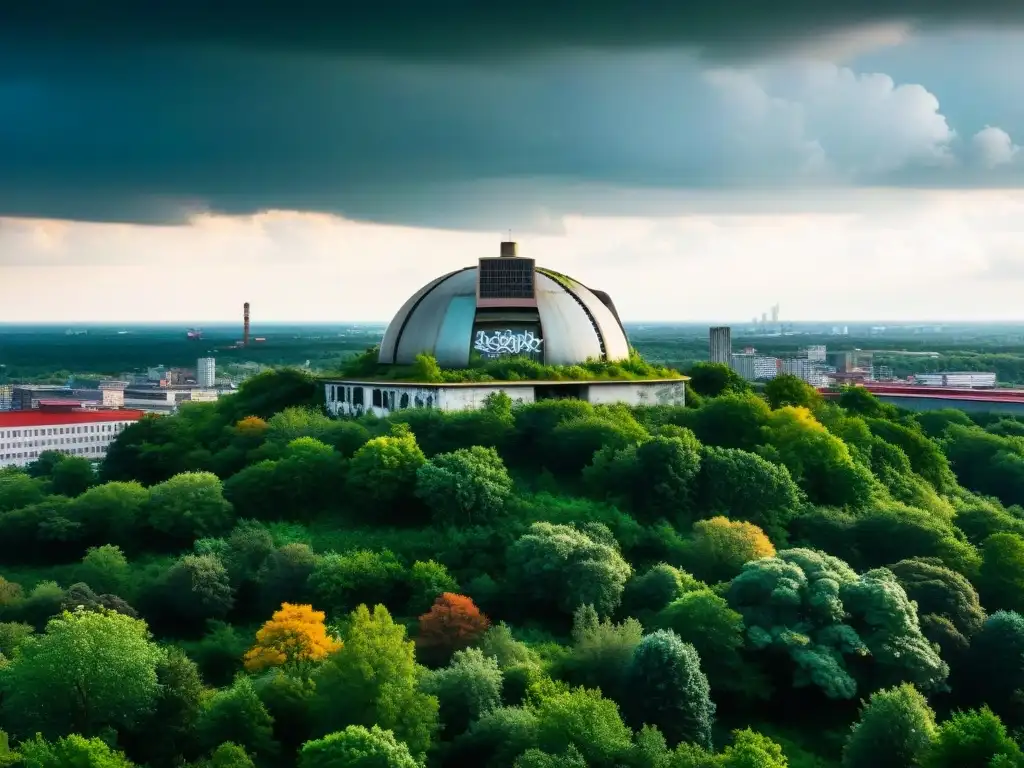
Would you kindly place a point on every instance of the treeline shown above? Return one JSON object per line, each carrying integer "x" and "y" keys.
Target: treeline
{"x": 750, "y": 580}
{"x": 46, "y": 356}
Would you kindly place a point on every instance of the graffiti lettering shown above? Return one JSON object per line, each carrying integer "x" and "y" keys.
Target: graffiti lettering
{"x": 498, "y": 343}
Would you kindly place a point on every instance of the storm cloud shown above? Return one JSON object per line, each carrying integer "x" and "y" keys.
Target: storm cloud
{"x": 462, "y": 114}
{"x": 458, "y": 29}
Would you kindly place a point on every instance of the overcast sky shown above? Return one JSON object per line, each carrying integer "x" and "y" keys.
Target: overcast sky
{"x": 854, "y": 163}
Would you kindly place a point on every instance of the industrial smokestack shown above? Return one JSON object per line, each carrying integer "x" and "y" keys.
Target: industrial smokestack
{"x": 245, "y": 327}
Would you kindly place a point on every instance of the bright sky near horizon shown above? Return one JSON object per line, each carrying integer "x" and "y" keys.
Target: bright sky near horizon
{"x": 865, "y": 168}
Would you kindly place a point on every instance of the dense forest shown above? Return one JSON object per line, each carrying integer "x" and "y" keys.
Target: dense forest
{"x": 751, "y": 581}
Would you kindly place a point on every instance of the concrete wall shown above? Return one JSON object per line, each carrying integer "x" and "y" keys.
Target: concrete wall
{"x": 397, "y": 397}
{"x": 472, "y": 398}
{"x": 354, "y": 398}
{"x": 638, "y": 393}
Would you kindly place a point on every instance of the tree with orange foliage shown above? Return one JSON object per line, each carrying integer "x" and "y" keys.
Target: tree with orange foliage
{"x": 294, "y": 638}
{"x": 452, "y": 624}
{"x": 251, "y": 425}
{"x": 721, "y": 546}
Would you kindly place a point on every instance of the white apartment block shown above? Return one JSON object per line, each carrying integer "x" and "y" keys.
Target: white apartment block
{"x": 206, "y": 372}
{"x": 753, "y": 367}
{"x": 26, "y": 434}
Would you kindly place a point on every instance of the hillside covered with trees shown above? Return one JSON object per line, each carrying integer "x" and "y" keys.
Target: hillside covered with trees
{"x": 750, "y": 581}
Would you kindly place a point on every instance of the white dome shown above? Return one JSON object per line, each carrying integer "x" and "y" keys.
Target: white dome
{"x": 563, "y": 323}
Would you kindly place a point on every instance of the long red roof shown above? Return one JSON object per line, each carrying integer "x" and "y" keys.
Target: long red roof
{"x": 13, "y": 419}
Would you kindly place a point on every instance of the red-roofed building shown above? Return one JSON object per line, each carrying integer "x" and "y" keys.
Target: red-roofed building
{"x": 60, "y": 426}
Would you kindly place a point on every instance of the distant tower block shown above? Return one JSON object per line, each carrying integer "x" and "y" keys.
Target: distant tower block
{"x": 720, "y": 346}
{"x": 245, "y": 326}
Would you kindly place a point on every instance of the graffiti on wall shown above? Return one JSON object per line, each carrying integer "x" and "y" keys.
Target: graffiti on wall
{"x": 507, "y": 342}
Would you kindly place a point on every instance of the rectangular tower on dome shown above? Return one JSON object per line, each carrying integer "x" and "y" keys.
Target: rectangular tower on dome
{"x": 506, "y": 280}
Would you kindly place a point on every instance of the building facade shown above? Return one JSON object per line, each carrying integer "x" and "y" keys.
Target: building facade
{"x": 356, "y": 398}
{"x": 754, "y": 367}
{"x": 26, "y": 434}
{"x": 816, "y": 353}
{"x": 6, "y": 393}
{"x": 957, "y": 379}
{"x": 206, "y": 371}
{"x": 165, "y": 399}
{"x": 720, "y": 345}
{"x": 805, "y": 369}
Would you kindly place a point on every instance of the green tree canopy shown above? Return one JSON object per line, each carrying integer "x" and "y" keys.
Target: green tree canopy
{"x": 940, "y": 591}
{"x": 788, "y": 390}
{"x": 562, "y": 567}
{"x": 112, "y": 513}
{"x": 235, "y": 714}
{"x": 714, "y": 379}
{"x": 87, "y": 671}
{"x": 357, "y": 747}
{"x": 705, "y": 621}
{"x": 814, "y": 608}
{"x": 583, "y": 719}
{"x": 819, "y": 462}
{"x": 105, "y": 569}
{"x": 971, "y": 738}
{"x": 72, "y": 476}
{"x": 74, "y": 750}
{"x": 189, "y": 506}
{"x": 373, "y": 680}
{"x": 467, "y": 688}
{"x": 994, "y": 668}
{"x": 657, "y": 478}
{"x": 669, "y": 690}
{"x": 649, "y": 592}
{"x": 1001, "y": 580}
{"x": 469, "y": 486}
{"x": 382, "y": 475}
{"x": 744, "y": 486}
{"x": 861, "y": 401}
{"x": 895, "y": 730}
{"x": 194, "y": 589}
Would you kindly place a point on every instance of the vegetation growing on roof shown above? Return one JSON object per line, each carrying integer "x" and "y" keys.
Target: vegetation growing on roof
{"x": 427, "y": 370}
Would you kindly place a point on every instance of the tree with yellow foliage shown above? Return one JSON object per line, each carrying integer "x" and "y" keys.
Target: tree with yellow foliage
{"x": 294, "y": 638}
{"x": 721, "y": 546}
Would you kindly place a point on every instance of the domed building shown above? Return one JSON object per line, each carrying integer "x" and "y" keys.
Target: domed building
{"x": 504, "y": 306}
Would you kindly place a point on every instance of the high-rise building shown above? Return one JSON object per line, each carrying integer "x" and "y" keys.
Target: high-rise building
{"x": 775, "y": 313}
{"x": 206, "y": 371}
{"x": 754, "y": 367}
{"x": 720, "y": 345}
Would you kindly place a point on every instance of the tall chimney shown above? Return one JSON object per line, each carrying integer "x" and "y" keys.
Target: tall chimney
{"x": 245, "y": 327}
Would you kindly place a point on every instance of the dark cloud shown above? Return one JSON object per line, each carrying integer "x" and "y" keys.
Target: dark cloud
{"x": 458, "y": 28}
{"x": 462, "y": 114}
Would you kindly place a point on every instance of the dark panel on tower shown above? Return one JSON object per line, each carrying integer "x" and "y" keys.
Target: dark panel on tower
{"x": 505, "y": 278}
